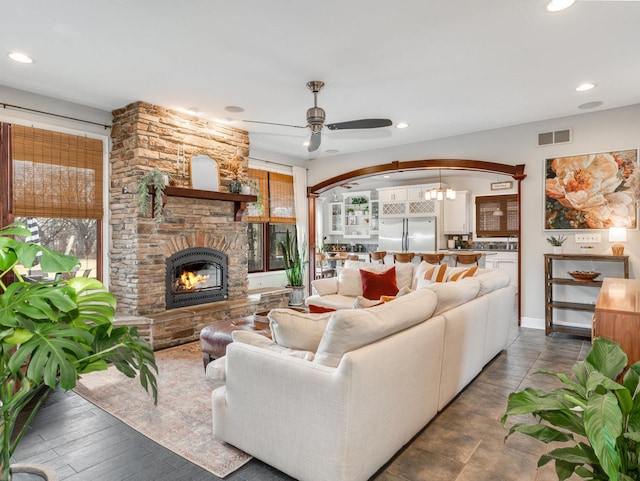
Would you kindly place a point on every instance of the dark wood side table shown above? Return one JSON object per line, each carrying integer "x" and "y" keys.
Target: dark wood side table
{"x": 618, "y": 314}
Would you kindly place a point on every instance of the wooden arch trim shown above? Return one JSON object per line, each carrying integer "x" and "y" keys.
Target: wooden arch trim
{"x": 515, "y": 171}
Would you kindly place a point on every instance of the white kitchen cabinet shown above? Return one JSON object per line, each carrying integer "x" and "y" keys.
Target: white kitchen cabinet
{"x": 336, "y": 218}
{"x": 357, "y": 215}
{"x": 392, "y": 194}
{"x": 456, "y": 214}
{"x": 505, "y": 261}
{"x": 416, "y": 193}
{"x": 408, "y": 201}
{"x": 375, "y": 217}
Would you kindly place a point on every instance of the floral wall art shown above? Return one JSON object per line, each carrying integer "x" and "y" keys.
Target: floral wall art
{"x": 591, "y": 191}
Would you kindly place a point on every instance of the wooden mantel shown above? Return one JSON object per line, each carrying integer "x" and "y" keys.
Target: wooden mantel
{"x": 239, "y": 200}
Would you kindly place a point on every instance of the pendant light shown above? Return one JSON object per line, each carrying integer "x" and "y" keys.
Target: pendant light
{"x": 438, "y": 193}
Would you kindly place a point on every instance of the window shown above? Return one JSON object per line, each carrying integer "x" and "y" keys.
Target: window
{"x": 55, "y": 183}
{"x": 269, "y": 219}
{"x": 497, "y": 216}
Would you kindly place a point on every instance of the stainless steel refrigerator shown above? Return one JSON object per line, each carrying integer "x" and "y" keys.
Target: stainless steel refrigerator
{"x": 410, "y": 234}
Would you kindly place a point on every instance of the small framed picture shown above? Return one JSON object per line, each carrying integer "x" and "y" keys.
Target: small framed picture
{"x": 502, "y": 185}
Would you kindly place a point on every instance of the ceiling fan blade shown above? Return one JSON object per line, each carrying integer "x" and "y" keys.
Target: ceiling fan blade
{"x": 314, "y": 141}
{"x": 274, "y": 123}
{"x": 360, "y": 124}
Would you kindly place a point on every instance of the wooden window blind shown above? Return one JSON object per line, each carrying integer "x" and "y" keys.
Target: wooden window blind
{"x": 281, "y": 203}
{"x": 55, "y": 174}
{"x": 259, "y": 211}
{"x": 490, "y": 225}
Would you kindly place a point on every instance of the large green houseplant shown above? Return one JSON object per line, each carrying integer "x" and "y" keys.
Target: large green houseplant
{"x": 295, "y": 260}
{"x": 51, "y": 332}
{"x": 597, "y": 418}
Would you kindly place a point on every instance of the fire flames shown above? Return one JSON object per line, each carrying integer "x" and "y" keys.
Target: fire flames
{"x": 190, "y": 280}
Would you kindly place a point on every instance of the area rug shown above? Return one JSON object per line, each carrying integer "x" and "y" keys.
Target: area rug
{"x": 182, "y": 419}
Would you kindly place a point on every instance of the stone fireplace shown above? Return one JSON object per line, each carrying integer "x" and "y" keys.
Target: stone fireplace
{"x": 145, "y": 136}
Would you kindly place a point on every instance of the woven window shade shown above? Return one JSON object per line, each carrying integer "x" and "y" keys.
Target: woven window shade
{"x": 512, "y": 214}
{"x": 489, "y": 225}
{"x": 281, "y": 203}
{"x": 261, "y": 178}
{"x": 55, "y": 175}
{"x": 487, "y": 221}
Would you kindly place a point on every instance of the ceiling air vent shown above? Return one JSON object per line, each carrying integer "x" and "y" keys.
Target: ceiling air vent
{"x": 557, "y": 137}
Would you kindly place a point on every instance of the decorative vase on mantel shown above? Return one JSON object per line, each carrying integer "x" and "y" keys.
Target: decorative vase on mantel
{"x": 235, "y": 186}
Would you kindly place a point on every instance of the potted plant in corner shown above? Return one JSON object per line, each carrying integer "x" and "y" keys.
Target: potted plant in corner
{"x": 556, "y": 243}
{"x": 596, "y": 418}
{"x": 294, "y": 263}
{"x": 52, "y": 332}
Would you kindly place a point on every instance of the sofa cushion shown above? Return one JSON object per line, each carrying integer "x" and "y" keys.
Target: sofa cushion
{"x": 460, "y": 273}
{"x": 404, "y": 271}
{"x": 453, "y": 294}
{"x": 375, "y": 285}
{"x": 351, "y": 329}
{"x": 297, "y": 330}
{"x": 258, "y": 340}
{"x": 362, "y": 302}
{"x": 217, "y": 369}
{"x": 492, "y": 280}
{"x": 326, "y": 286}
{"x": 333, "y": 301}
{"x": 349, "y": 282}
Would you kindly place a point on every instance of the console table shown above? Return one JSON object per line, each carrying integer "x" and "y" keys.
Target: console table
{"x": 556, "y": 279}
{"x": 618, "y": 315}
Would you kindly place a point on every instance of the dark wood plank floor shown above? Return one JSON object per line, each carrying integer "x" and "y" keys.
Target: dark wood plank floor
{"x": 83, "y": 443}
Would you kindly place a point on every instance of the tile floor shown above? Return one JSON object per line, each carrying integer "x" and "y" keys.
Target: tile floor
{"x": 465, "y": 442}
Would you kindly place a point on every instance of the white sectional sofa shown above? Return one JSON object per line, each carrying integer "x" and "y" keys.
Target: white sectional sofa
{"x": 361, "y": 382}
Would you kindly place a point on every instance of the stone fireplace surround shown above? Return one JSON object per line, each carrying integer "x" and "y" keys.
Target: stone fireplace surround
{"x": 146, "y": 136}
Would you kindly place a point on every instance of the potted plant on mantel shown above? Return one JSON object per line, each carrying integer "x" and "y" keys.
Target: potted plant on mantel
{"x": 596, "y": 418}
{"x": 51, "y": 332}
{"x": 294, "y": 263}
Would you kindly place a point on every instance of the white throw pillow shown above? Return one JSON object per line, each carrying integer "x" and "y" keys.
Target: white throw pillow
{"x": 258, "y": 340}
{"x": 419, "y": 271}
{"x": 404, "y": 274}
{"x": 349, "y": 282}
{"x": 326, "y": 286}
{"x": 348, "y": 330}
{"x": 453, "y": 294}
{"x": 297, "y": 330}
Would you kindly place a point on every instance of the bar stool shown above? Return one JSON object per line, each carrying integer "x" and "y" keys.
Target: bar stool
{"x": 432, "y": 258}
{"x": 352, "y": 257}
{"x": 466, "y": 259}
{"x": 377, "y": 256}
{"x": 322, "y": 267}
{"x": 405, "y": 257}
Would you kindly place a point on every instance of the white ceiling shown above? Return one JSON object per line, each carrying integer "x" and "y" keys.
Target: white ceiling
{"x": 444, "y": 66}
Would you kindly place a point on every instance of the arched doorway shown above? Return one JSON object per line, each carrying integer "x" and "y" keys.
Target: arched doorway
{"x": 515, "y": 171}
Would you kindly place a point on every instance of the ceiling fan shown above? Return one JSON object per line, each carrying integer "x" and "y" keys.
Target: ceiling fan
{"x": 316, "y": 118}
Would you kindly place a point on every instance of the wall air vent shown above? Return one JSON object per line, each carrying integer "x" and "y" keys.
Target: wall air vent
{"x": 557, "y": 137}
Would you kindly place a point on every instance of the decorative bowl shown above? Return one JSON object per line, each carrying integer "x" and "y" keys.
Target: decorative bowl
{"x": 584, "y": 276}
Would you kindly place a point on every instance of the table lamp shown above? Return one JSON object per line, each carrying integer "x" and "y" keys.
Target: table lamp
{"x": 617, "y": 234}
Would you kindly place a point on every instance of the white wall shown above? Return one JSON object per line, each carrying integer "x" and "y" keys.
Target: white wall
{"x": 606, "y": 130}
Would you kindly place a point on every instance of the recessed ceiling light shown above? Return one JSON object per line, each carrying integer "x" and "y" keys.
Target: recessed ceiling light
{"x": 20, "y": 57}
{"x": 557, "y": 5}
{"x": 402, "y": 125}
{"x": 385, "y": 176}
{"x": 591, "y": 105}
{"x": 585, "y": 86}
{"x": 233, "y": 108}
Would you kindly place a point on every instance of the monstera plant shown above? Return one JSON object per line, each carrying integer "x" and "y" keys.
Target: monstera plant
{"x": 53, "y": 331}
{"x": 596, "y": 417}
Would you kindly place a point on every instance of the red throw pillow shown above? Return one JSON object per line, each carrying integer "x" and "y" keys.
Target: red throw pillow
{"x": 375, "y": 285}
{"x": 319, "y": 309}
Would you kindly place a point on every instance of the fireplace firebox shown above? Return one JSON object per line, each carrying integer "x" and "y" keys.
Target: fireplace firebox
{"x": 195, "y": 276}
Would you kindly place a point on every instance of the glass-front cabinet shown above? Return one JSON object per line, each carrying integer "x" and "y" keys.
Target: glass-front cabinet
{"x": 337, "y": 218}
{"x": 357, "y": 206}
{"x": 375, "y": 217}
